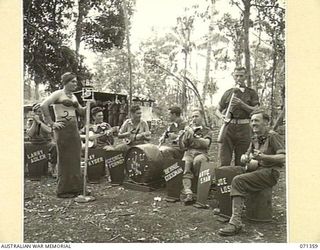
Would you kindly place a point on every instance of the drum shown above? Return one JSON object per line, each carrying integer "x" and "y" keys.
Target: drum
{"x": 144, "y": 163}
{"x": 259, "y": 206}
{"x": 96, "y": 165}
{"x": 115, "y": 164}
{"x": 171, "y": 152}
{"x": 36, "y": 160}
{"x": 224, "y": 176}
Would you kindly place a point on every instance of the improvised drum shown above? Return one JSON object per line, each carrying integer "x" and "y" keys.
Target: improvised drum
{"x": 144, "y": 164}
{"x": 171, "y": 152}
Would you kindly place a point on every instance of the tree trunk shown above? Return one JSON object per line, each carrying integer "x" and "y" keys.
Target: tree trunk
{"x": 184, "y": 86}
{"x": 126, "y": 20}
{"x": 246, "y": 26}
{"x": 82, "y": 12}
{"x": 37, "y": 81}
{"x": 256, "y": 56}
{"x": 209, "y": 48}
{"x": 273, "y": 83}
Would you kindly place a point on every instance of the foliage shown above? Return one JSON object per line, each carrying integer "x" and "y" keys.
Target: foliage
{"x": 45, "y": 56}
{"x": 102, "y": 24}
{"x": 48, "y": 30}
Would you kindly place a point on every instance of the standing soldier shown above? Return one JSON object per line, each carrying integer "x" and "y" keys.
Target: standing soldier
{"x": 237, "y": 130}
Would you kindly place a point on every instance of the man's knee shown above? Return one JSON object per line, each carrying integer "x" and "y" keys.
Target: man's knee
{"x": 237, "y": 181}
{"x": 197, "y": 163}
{"x": 199, "y": 160}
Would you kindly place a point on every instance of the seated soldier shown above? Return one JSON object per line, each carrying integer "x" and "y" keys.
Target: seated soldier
{"x": 196, "y": 140}
{"x": 100, "y": 133}
{"x": 40, "y": 133}
{"x": 169, "y": 138}
{"x": 134, "y": 131}
{"x": 266, "y": 154}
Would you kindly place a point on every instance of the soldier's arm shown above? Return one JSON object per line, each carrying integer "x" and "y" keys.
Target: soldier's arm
{"x": 31, "y": 127}
{"x": 123, "y": 133}
{"x": 276, "y": 158}
{"x": 278, "y": 147}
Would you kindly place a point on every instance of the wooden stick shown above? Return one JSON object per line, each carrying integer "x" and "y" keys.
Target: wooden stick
{"x": 86, "y": 148}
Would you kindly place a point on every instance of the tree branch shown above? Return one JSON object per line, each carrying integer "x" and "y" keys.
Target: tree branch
{"x": 194, "y": 88}
{"x": 267, "y": 6}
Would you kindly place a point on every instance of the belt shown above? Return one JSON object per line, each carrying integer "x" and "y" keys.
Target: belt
{"x": 240, "y": 121}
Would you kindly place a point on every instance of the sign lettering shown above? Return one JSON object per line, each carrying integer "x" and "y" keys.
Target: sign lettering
{"x": 172, "y": 171}
{"x": 36, "y": 156}
{"x": 115, "y": 161}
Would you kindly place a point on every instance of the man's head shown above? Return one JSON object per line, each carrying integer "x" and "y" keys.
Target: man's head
{"x": 136, "y": 113}
{"x": 97, "y": 114}
{"x": 259, "y": 121}
{"x": 69, "y": 81}
{"x": 197, "y": 117}
{"x": 174, "y": 113}
{"x": 239, "y": 76}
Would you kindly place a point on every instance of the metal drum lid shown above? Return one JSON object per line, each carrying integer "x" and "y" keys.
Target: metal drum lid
{"x": 141, "y": 160}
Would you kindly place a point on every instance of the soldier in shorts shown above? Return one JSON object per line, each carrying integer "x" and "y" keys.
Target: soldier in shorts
{"x": 196, "y": 141}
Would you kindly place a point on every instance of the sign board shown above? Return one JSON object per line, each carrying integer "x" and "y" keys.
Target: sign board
{"x": 204, "y": 182}
{"x": 173, "y": 172}
{"x": 87, "y": 93}
{"x": 224, "y": 177}
{"x": 36, "y": 160}
{"x": 96, "y": 164}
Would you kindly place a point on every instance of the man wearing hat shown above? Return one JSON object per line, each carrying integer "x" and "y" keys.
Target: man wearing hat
{"x": 101, "y": 132}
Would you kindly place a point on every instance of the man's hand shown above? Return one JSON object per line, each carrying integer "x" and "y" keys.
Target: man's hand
{"x": 58, "y": 125}
{"x": 257, "y": 155}
{"x": 36, "y": 118}
{"x": 244, "y": 158}
{"x": 225, "y": 119}
{"x": 237, "y": 102}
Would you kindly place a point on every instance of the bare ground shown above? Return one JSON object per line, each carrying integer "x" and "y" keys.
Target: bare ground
{"x": 124, "y": 215}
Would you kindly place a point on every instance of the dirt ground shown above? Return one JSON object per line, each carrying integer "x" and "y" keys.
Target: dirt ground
{"x": 124, "y": 215}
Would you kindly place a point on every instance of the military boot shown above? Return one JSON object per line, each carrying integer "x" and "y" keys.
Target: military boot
{"x": 187, "y": 183}
{"x": 235, "y": 224}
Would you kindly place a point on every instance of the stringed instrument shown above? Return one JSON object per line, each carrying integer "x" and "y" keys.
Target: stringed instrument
{"x": 133, "y": 135}
{"x": 93, "y": 136}
{"x": 186, "y": 135}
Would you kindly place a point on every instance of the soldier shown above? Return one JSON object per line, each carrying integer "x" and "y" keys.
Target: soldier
{"x": 238, "y": 133}
{"x": 40, "y": 133}
{"x": 196, "y": 140}
{"x": 134, "y": 131}
{"x": 265, "y": 155}
{"x": 100, "y": 132}
{"x": 169, "y": 137}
